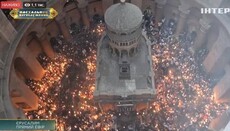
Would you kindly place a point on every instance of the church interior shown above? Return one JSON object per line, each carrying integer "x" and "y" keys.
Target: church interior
{"x": 47, "y": 66}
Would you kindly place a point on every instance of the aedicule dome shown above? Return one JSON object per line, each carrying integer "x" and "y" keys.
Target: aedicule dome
{"x": 123, "y": 17}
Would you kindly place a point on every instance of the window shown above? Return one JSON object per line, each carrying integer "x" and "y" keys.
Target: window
{"x": 124, "y": 69}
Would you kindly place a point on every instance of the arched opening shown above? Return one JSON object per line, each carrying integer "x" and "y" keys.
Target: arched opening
{"x": 97, "y": 19}
{"x": 22, "y": 69}
{"x": 75, "y": 29}
{"x": 54, "y": 44}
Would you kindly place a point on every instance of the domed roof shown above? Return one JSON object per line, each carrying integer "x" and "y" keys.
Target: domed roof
{"x": 123, "y": 17}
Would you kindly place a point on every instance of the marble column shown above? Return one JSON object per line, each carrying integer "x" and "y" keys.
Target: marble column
{"x": 182, "y": 19}
{"x": 218, "y": 56}
{"x": 35, "y": 70}
{"x": 45, "y": 45}
{"x": 61, "y": 23}
{"x": 220, "y": 122}
{"x": 160, "y": 10}
{"x": 222, "y": 89}
{"x": 35, "y": 47}
{"x": 20, "y": 93}
{"x": 212, "y": 35}
{"x": 85, "y": 17}
{"x": 82, "y": 5}
{"x": 201, "y": 34}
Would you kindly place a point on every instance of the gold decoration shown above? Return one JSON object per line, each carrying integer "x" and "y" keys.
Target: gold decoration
{"x": 53, "y": 13}
{"x": 14, "y": 13}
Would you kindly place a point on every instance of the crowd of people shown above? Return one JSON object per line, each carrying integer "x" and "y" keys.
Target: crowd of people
{"x": 184, "y": 99}
{"x": 66, "y": 90}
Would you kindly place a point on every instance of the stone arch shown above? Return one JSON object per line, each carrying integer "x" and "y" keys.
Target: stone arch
{"x": 22, "y": 69}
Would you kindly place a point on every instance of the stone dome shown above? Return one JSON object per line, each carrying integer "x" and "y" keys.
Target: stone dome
{"x": 123, "y": 17}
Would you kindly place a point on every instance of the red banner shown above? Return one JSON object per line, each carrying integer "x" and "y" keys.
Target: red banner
{"x": 10, "y": 5}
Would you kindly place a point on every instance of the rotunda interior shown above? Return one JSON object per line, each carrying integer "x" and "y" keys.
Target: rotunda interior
{"x": 47, "y": 66}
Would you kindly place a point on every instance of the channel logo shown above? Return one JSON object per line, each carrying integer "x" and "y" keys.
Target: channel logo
{"x": 215, "y": 10}
{"x": 10, "y": 5}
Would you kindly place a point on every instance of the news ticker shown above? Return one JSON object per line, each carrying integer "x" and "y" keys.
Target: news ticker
{"x": 28, "y": 125}
{"x": 28, "y": 10}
